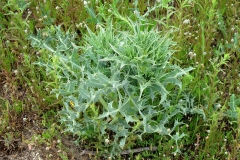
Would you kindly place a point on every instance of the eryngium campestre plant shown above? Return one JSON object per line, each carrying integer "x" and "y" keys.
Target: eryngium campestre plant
{"x": 118, "y": 87}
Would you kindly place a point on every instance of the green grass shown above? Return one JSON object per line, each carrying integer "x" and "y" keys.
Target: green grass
{"x": 206, "y": 34}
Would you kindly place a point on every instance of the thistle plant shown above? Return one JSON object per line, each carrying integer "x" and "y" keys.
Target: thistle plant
{"x": 121, "y": 85}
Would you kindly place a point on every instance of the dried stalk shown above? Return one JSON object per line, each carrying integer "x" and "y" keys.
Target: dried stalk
{"x": 92, "y": 153}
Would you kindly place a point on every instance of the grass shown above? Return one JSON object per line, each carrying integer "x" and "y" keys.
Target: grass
{"x": 207, "y": 37}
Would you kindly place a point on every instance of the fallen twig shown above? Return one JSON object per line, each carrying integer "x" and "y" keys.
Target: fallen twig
{"x": 92, "y": 153}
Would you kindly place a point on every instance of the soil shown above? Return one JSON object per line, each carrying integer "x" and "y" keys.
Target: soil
{"x": 22, "y": 149}
{"x": 15, "y": 138}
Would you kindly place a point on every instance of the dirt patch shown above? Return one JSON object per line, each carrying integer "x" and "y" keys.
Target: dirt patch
{"x": 17, "y": 130}
{"x": 25, "y": 155}
{"x": 19, "y": 150}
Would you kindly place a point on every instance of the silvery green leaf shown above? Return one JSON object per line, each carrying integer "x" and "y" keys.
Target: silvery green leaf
{"x": 198, "y": 111}
{"x": 81, "y": 107}
{"x": 113, "y": 128}
{"x": 162, "y": 90}
{"x": 176, "y": 123}
{"x": 130, "y": 119}
{"x": 122, "y": 142}
{"x": 162, "y": 130}
{"x": 70, "y": 86}
{"x": 122, "y": 122}
{"x": 176, "y": 137}
{"x": 111, "y": 111}
{"x": 122, "y": 132}
{"x": 84, "y": 93}
{"x": 94, "y": 83}
{"x": 143, "y": 87}
{"x": 234, "y": 103}
{"x": 102, "y": 78}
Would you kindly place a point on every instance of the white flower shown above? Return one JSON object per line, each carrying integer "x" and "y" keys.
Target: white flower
{"x": 15, "y": 72}
{"x": 97, "y": 26}
{"x": 238, "y": 89}
{"x": 186, "y": 33}
{"x": 121, "y": 43}
{"x": 186, "y": 21}
{"x": 107, "y": 141}
{"x": 79, "y": 25}
{"x": 135, "y": 12}
{"x": 191, "y": 54}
